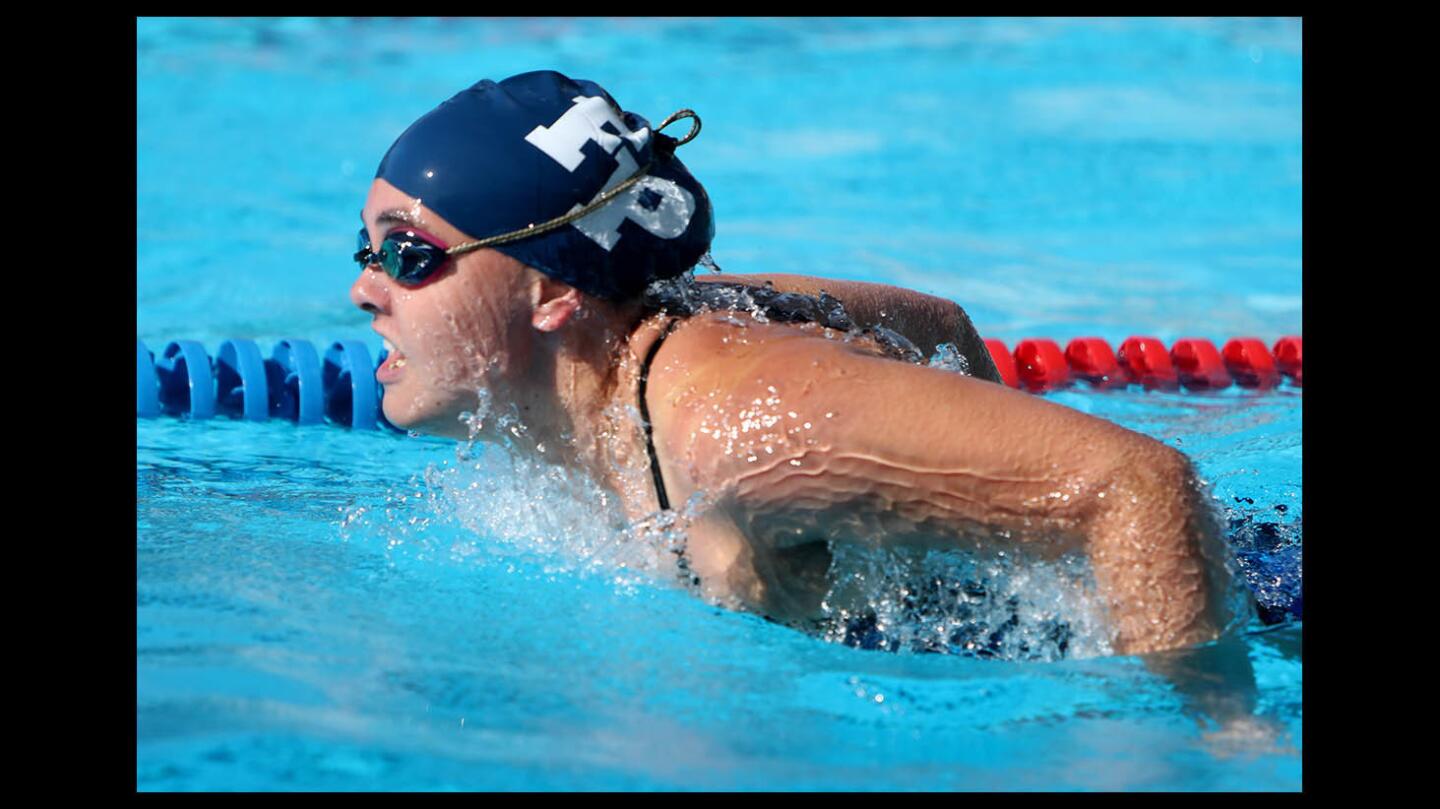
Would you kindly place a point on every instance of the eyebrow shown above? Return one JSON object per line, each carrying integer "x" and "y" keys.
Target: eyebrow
{"x": 394, "y": 216}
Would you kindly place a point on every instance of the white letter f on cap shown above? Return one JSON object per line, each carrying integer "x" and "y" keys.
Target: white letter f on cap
{"x": 562, "y": 140}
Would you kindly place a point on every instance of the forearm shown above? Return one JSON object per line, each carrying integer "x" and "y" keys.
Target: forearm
{"x": 1157, "y": 553}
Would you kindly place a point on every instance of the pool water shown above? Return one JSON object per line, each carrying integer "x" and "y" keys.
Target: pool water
{"x": 325, "y": 610}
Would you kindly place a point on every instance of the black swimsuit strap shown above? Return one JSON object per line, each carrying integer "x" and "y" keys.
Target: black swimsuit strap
{"x": 645, "y": 414}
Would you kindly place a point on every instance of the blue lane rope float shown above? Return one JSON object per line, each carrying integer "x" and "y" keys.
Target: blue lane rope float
{"x": 147, "y": 383}
{"x": 295, "y": 366}
{"x": 241, "y": 386}
{"x": 351, "y": 396}
{"x": 187, "y": 382}
{"x": 296, "y": 383}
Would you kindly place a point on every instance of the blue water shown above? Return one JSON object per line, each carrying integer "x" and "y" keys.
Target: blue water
{"x": 314, "y": 613}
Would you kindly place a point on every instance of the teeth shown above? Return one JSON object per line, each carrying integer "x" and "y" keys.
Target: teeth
{"x": 400, "y": 363}
{"x": 388, "y": 346}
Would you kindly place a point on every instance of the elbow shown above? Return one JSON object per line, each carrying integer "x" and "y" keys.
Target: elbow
{"x": 1169, "y": 466}
{"x": 1144, "y": 475}
{"x": 1147, "y": 459}
{"x": 1159, "y": 555}
{"x": 1177, "y": 473}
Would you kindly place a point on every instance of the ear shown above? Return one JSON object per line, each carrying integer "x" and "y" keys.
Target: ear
{"x": 553, "y": 305}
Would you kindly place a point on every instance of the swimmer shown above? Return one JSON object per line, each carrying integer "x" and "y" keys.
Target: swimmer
{"x": 532, "y": 240}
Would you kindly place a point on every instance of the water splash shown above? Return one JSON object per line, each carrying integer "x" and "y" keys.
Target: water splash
{"x": 947, "y": 357}
{"x": 495, "y": 504}
{"x": 951, "y": 602}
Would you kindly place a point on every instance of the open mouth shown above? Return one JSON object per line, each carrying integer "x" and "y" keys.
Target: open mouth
{"x": 394, "y": 358}
{"x": 394, "y": 363}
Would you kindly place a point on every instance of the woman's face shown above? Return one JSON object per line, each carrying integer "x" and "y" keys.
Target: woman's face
{"x": 460, "y": 330}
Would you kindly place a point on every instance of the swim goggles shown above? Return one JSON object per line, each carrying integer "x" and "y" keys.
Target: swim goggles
{"x": 404, "y": 255}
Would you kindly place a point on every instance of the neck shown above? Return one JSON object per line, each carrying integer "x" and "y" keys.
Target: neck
{"x": 584, "y": 415}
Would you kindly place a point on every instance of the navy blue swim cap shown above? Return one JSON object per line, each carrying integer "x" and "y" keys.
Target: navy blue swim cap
{"x": 497, "y": 158}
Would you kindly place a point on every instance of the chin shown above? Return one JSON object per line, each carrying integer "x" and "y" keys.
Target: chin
{"x": 395, "y": 414}
{"x": 404, "y": 412}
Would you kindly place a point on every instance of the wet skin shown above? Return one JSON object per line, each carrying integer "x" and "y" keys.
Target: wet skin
{"x": 794, "y": 438}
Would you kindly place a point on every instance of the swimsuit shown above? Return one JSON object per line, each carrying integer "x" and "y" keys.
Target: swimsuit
{"x": 645, "y": 414}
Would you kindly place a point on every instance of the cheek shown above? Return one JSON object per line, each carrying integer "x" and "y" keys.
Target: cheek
{"x": 465, "y": 342}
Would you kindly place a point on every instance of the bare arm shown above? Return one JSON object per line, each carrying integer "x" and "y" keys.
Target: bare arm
{"x": 806, "y": 438}
{"x": 927, "y": 321}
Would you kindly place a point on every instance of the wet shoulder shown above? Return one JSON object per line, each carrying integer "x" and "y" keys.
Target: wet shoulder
{"x": 726, "y": 392}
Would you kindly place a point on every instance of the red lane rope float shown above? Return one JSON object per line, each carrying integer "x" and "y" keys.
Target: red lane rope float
{"x": 1148, "y": 363}
{"x": 1093, "y": 361}
{"x": 1199, "y": 364}
{"x": 1041, "y": 364}
{"x": 1287, "y": 356}
{"x": 1038, "y": 364}
{"x": 1250, "y": 364}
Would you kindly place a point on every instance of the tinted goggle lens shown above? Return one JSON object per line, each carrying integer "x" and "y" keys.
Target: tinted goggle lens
{"x": 403, "y": 256}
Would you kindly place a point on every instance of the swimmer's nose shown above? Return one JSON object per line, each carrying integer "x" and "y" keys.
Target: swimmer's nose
{"x": 370, "y": 291}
